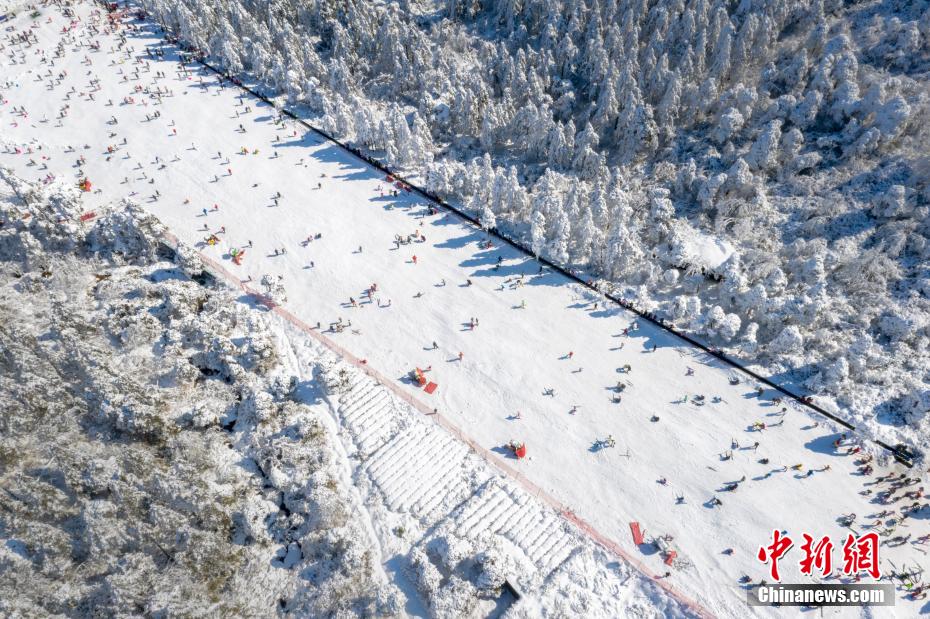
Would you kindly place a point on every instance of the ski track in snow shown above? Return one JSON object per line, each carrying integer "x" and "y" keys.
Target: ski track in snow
{"x": 509, "y": 359}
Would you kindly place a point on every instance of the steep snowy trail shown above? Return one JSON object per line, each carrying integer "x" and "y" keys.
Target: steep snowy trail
{"x": 509, "y": 359}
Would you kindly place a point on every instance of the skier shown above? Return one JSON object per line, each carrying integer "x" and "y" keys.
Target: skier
{"x": 461, "y": 355}
{"x": 414, "y": 259}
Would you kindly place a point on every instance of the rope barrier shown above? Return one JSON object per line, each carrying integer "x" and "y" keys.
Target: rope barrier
{"x": 899, "y": 454}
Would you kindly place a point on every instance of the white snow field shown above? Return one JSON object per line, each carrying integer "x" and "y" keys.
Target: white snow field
{"x": 564, "y": 339}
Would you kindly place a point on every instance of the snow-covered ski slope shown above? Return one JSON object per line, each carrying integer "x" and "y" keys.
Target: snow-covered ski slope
{"x": 517, "y": 353}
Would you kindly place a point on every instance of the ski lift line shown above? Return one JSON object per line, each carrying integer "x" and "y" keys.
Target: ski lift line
{"x": 898, "y": 455}
{"x": 494, "y": 460}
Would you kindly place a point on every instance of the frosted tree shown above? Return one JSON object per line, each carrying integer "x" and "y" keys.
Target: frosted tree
{"x": 584, "y": 236}
{"x": 537, "y": 233}
{"x": 558, "y": 246}
{"x": 624, "y": 251}
{"x": 608, "y": 104}
{"x": 487, "y": 218}
{"x": 422, "y": 141}
{"x": 635, "y": 131}
{"x": 764, "y": 152}
{"x": 587, "y": 160}
{"x": 488, "y": 133}
{"x": 514, "y": 196}
{"x": 403, "y": 140}
{"x": 561, "y": 143}
{"x": 730, "y": 122}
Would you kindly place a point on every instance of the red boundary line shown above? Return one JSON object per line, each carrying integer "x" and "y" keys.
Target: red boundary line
{"x": 563, "y": 510}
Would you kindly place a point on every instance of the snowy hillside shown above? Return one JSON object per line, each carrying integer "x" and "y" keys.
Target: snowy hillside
{"x": 185, "y": 446}
{"x": 176, "y": 443}
{"x": 365, "y": 490}
{"x": 609, "y": 135}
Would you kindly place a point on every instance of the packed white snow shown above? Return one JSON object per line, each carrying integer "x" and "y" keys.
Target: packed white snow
{"x": 517, "y": 352}
{"x": 795, "y": 131}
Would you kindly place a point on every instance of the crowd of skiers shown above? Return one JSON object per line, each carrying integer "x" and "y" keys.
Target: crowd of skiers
{"x": 887, "y": 490}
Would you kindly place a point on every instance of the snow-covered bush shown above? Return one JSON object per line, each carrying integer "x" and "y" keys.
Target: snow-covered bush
{"x": 134, "y": 489}
{"x": 789, "y": 341}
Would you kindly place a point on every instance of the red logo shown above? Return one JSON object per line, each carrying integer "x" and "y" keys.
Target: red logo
{"x": 819, "y": 555}
{"x": 772, "y": 553}
{"x": 859, "y": 555}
